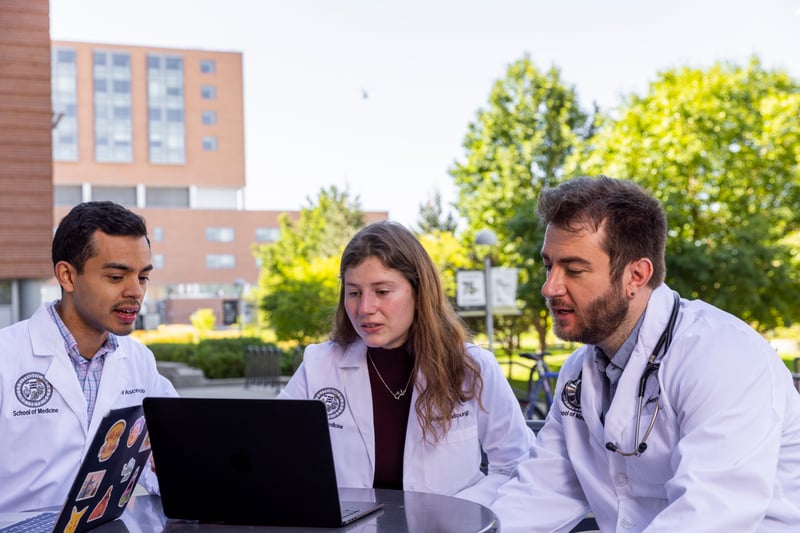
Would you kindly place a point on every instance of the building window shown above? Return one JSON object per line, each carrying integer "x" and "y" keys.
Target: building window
{"x": 209, "y": 118}
{"x": 166, "y": 123}
{"x": 113, "y": 123}
{"x": 208, "y": 66}
{"x": 215, "y": 198}
{"x": 122, "y": 195}
{"x": 166, "y": 197}
{"x": 174, "y": 115}
{"x": 220, "y": 261}
{"x": 64, "y": 100}
{"x": 174, "y": 63}
{"x": 267, "y": 234}
{"x": 158, "y": 260}
{"x": 220, "y": 234}
{"x": 210, "y": 143}
{"x": 158, "y": 234}
{"x": 208, "y": 92}
{"x": 67, "y": 195}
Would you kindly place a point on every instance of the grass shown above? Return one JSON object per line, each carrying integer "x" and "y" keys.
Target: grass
{"x": 518, "y": 370}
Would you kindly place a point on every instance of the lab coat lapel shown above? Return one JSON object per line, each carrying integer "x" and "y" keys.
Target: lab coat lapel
{"x": 355, "y": 382}
{"x": 592, "y": 398}
{"x": 47, "y": 342}
{"x": 112, "y": 382}
{"x": 61, "y": 375}
{"x": 621, "y": 419}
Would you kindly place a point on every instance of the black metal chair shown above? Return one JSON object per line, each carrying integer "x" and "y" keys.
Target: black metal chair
{"x": 262, "y": 365}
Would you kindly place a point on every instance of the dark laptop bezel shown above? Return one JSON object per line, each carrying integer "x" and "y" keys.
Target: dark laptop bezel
{"x": 262, "y": 462}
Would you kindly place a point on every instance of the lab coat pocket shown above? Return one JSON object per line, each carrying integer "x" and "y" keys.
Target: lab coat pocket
{"x": 650, "y": 472}
{"x": 453, "y": 463}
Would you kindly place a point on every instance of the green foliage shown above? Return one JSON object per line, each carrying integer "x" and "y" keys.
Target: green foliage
{"x": 179, "y": 352}
{"x": 302, "y": 307}
{"x": 217, "y": 358}
{"x": 223, "y": 358}
{"x": 720, "y": 148}
{"x": 298, "y": 285}
{"x": 517, "y": 145}
{"x": 432, "y": 217}
{"x": 449, "y": 255}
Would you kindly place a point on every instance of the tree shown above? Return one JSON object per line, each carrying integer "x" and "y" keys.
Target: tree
{"x": 449, "y": 256}
{"x": 432, "y": 218}
{"x": 203, "y": 320}
{"x": 720, "y": 148}
{"x": 299, "y": 281}
{"x": 517, "y": 145}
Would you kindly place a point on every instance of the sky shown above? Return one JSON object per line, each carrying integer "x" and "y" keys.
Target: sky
{"x": 426, "y": 68}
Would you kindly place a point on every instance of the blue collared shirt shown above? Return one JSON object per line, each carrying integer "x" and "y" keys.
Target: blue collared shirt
{"x": 612, "y": 367}
{"x": 88, "y": 369}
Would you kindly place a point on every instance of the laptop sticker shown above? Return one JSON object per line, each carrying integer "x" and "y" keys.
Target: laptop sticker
{"x": 90, "y": 485}
{"x": 100, "y": 508}
{"x": 74, "y": 518}
{"x": 112, "y": 440}
{"x": 145, "y": 443}
{"x": 126, "y": 495}
{"x": 136, "y": 430}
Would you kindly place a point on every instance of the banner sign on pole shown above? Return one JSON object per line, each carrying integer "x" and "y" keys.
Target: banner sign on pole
{"x": 504, "y": 287}
{"x": 470, "y": 288}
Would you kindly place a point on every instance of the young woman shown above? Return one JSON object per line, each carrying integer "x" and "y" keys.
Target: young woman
{"x": 410, "y": 402}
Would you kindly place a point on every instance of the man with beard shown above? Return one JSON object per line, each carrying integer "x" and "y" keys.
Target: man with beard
{"x": 673, "y": 415}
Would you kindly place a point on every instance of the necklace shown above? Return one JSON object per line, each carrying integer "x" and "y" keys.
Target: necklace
{"x": 399, "y": 394}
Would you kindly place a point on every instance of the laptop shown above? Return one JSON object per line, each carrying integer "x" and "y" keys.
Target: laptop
{"x": 247, "y": 461}
{"x": 117, "y": 456}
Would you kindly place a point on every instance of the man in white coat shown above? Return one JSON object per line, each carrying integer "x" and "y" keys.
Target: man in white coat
{"x": 674, "y": 415}
{"x": 71, "y": 362}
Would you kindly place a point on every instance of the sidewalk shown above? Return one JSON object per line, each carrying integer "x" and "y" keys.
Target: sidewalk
{"x": 229, "y": 388}
{"x": 191, "y": 383}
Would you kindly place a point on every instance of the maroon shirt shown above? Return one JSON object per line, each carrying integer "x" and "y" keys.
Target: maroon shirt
{"x": 390, "y": 415}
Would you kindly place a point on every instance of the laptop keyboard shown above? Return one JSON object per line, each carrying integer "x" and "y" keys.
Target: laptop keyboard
{"x": 38, "y": 523}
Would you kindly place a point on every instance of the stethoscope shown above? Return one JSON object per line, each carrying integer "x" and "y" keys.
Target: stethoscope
{"x": 653, "y": 363}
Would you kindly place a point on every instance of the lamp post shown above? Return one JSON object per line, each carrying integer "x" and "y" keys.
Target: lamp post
{"x": 240, "y": 284}
{"x": 489, "y": 238}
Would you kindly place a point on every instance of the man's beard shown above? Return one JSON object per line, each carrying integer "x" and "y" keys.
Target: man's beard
{"x": 599, "y": 321}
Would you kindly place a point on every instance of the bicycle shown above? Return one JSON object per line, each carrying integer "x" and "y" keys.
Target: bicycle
{"x": 541, "y": 386}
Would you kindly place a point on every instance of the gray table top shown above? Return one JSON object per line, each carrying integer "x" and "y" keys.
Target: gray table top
{"x": 402, "y": 511}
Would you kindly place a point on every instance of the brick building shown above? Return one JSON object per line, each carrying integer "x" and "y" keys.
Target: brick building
{"x": 162, "y": 131}
{"x": 26, "y": 181}
{"x": 159, "y": 130}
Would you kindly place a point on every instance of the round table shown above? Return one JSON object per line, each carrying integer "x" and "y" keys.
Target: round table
{"x": 402, "y": 511}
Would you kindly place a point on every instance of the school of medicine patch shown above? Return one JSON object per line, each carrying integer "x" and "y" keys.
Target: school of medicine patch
{"x": 571, "y": 395}
{"x": 333, "y": 400}
{"x": 33, "y": 390}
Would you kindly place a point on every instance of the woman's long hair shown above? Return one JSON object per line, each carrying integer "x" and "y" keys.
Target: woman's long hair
{"x": 437, "y": 335}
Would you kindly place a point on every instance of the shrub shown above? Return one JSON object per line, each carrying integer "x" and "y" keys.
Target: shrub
{"x": 222, "y": 357}
{"x": 178, "y": 352}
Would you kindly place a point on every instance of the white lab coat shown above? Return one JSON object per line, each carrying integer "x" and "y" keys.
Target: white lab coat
{"x": 340, "y": 377}
{"x": 724, "y": 454}
{"x": 42, "y": 444}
